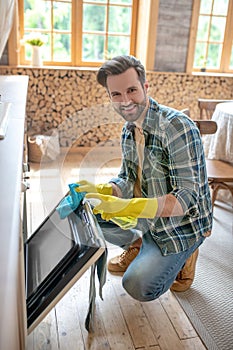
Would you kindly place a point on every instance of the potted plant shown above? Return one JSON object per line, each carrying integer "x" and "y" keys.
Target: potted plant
{"x": 36, "y": 42}
{"x": 202, "y": 63}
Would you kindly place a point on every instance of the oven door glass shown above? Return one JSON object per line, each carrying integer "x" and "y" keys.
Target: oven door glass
{"x": 56, "y": 255}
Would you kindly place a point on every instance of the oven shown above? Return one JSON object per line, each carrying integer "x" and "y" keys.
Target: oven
{"x": 56, "y": 255}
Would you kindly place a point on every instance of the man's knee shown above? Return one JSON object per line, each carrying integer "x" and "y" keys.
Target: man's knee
{"x": 137, "y": 289}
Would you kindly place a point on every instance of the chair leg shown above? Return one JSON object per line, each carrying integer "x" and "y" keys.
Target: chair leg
{"x": 215, "y": 189}
{"x": 217, "y": 186}
{"x": 231, "y": 190}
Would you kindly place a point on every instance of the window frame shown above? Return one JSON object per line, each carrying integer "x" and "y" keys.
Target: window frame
{"x": 76, "y": 35}
{"x": 227, "y": 41}
{"x": 144, "y": 41}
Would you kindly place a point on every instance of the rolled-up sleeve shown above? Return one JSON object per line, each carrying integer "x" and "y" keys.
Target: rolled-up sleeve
{"x": 185, "y": 165}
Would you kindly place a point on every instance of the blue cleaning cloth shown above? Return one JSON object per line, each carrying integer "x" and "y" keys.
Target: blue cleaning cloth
{"x": 70, "y": 202}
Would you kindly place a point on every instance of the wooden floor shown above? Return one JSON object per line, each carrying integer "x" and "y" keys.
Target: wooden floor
{"x": 121, "y": 323}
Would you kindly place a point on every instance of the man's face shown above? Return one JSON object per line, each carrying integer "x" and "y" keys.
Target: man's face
{"x": 127, "y": 94}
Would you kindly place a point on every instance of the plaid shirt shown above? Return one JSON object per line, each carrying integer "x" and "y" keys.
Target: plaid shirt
{"x": 174, "y": 163}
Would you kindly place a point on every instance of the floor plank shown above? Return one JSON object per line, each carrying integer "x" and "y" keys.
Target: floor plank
{"x": 135, "y": 317}
{"x": 97, "y": 339}
{"x": 193, "y": 344}
{"x": 68, "y": 329}
{"x": 176, "y": 316}
{"x": 162, "y": 327}
{"x": 114, "y": 321}
{"x": 45, "y": 334}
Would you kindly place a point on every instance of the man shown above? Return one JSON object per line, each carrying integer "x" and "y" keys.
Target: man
{"x": 162, "y": 183}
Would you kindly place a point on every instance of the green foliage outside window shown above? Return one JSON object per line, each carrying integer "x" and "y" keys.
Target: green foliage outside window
{"x": 210, "y": 34}
{"x": 98, "y": 36}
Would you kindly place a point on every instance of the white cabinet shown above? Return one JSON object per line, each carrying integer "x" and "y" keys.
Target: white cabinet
{"x": 12, "y": 316}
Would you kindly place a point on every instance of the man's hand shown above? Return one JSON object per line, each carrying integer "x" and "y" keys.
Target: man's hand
{"x": 85, "y": 186}
{"x": 110, "y": 206}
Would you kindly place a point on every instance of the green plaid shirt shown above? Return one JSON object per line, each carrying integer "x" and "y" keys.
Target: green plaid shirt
{"x": 174, "y": 163}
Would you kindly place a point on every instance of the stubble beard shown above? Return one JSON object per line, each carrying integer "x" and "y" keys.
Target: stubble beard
{"x": 130, "y": 117}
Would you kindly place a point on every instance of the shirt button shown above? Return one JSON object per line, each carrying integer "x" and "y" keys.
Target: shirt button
{"x": 193, "y": 212}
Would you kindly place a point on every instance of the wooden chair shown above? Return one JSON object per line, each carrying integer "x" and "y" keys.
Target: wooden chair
{"x": 207, "y": 106}
{"x": 206, "y": 127}
{"x": 186, "y": 111}
{"x": 219, "y": 172}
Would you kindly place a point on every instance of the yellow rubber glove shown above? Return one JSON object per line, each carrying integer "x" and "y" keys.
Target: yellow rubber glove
{"x": 125, "y": 223}
{"x": 85, "y": 186}
{"x": 110, "y": 206}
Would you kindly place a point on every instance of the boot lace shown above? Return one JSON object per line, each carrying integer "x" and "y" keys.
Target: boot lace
{"x": 128, "y": 255}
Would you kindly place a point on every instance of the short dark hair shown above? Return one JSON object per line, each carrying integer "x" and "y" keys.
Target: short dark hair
{"x": 118, "y": 65}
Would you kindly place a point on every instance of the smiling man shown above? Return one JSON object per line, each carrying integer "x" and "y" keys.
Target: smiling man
{"x": 128, "y": 95}
{"x": 162, "y": 183}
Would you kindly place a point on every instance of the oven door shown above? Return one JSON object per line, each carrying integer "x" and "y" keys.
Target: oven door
{"x": 56, "y": 256}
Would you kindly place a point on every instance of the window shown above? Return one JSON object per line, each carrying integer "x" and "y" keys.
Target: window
{"x": 78, "y": 32}
{"x": 214, "y": 36}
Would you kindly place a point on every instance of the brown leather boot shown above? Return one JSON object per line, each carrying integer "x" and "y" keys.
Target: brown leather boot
{"x": 121, "y": 262}
{"x": 185, "y": 277}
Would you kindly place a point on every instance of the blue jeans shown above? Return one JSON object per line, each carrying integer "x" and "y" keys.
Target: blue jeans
{"x": 150, "y": 274}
